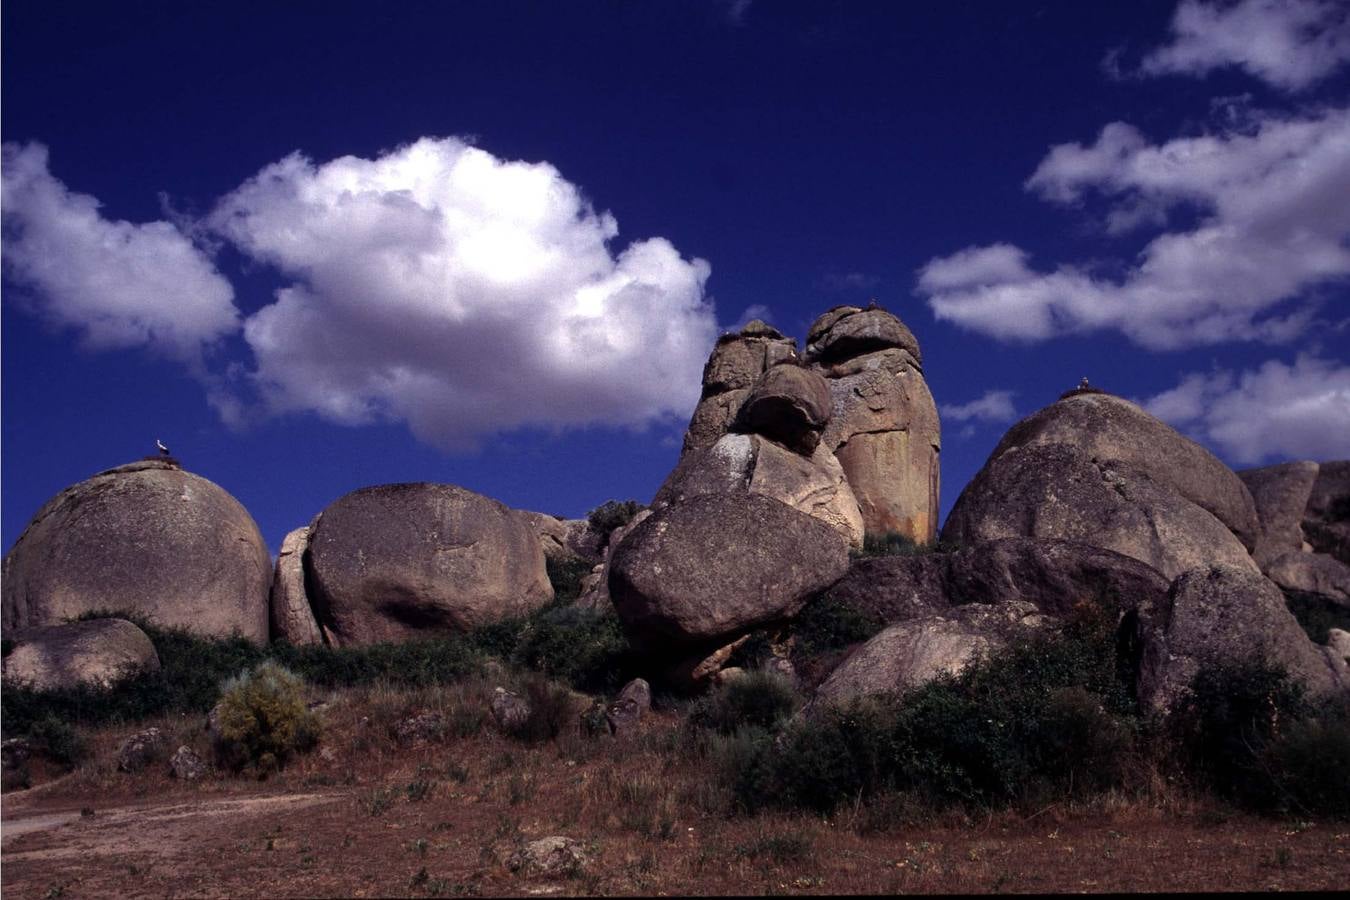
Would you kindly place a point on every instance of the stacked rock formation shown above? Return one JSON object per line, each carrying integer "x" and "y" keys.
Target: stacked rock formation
{"x": 731, "y": 371}
{"x": 884, "y": 428}
{"x": 146, "y": 539}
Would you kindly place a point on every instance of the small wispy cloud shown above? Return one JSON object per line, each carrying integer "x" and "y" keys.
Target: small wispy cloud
{"x": 994, "y": 406}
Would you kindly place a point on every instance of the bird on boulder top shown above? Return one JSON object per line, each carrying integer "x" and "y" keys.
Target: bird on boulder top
{"x": 163, "y": 451}
{"x": 1083, "y": 385}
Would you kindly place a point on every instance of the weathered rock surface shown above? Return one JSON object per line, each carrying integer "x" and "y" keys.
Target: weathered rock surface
{"x": 186, "y": 765}
{"x": 1313, "y": 573}
{"x": 292, "y": 615}
{"x": 1059, "y": 491}
{"x": 884, "y": 425}
{"x": 423, "y": 728}
{"x": 96, "y": 652}
{"x": 1326, "y": 522}
{"x": 396, "y": 561}
{"x": 894, "y": 588}
{"x": 1281, "y": 495}
{"x": 595, "y": 586}
{"x": 551, "y": 857}
{"x": 789, "y": 405}
{"x": 1110, "y": 429}
{"x": 626, "y": 712}
{"x": 718, "y": 564}
{"x": 737, "y": 463}
{"x": 910, "y": 654}
{"x": 509, "y": 710}
{"x": 734, "y": 366}
{"x": 1222, "y": 615}
{"x": 147, "y": 539}
{"x": 141, "y": 749}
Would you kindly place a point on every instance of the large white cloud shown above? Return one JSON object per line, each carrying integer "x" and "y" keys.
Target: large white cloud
{"x": 1274, "y": 411}
{"x": 115, "y": 283}
{"x": 1272, "y": 225}
{"x": 1289, "y": 43}
{"x": 463, "y": 294}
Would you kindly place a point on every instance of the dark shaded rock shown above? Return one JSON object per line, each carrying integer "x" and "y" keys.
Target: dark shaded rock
{"x": 894, "y": 588}
{"x": 1281, "y": 495}
{"x": 787, "y": 404}
{"x": 14, "y": 752}
{"x": 1326, "y": 521}
{"x": 1312, "y": 573}
{"x": 141, "y": 749}
{"x": 1218, "y": 615}
{"x": 627, "y": 710}
{"x": 145, "y": 539}
{"x": 398, "y": 561}
{"x": 912, "y": 653}
{"x": 292, "y": 615}
{"x": 716, "y": 565}
{"x": 95, "y": 652}
{"x": 186, "y": 765}
{"x": 1059, "y": 491}
{"x": 1110, "y": 430}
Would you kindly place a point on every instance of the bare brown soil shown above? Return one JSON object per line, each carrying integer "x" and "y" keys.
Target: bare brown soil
{"x": 373, "y": 819}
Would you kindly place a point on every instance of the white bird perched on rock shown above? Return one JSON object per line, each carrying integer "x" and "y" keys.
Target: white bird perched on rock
{"x": 163, "y": 451}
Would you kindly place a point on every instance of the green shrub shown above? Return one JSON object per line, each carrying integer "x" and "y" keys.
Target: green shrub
{"x": 58, "y": 741}
{"x": 612, "y": 514}
{"x": 1311, "y": 762}
{"x": 755, "y": 700}
{"x": 565, "y": 575}
{"x": 826, "y": 624}
{"x": 262, "y": 719}
{"x": 585, "y": 648}
{"x": 893, "y": 543}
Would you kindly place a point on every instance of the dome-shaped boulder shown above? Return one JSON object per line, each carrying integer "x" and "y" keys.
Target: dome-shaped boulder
{"x": 1110, "y": 429}
{"x": 399, "y": 561}
{"x": 145, "y": 539}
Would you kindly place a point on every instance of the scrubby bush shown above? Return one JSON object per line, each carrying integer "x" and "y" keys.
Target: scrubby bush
{"x": 565, "y": 575}
{"x": 825, "y": 624}
{"x": 552, "y": 708}
{"x": 755, "y": 700}
{"x": 262, "y": 719}
{"x": 612, "y": 514}
{"x": 585, "y": 648}
{"x": 1311, "y": 762}
{"x": 58, "y": 741}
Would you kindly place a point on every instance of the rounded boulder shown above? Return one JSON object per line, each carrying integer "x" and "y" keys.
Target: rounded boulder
{"x": 1110, "y": 429}
{"x": 790, "y": 405}
{"x": 96, "y": 652}
{"x": 146, "y": 539}
{"x": 399, "y": 561}
{"x": 717, "y": 565}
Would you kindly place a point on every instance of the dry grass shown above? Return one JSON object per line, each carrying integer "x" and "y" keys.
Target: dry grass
{"x": 441, "y": 817}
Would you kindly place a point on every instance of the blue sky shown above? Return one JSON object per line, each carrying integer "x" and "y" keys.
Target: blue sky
{"x": 317, "y": 246}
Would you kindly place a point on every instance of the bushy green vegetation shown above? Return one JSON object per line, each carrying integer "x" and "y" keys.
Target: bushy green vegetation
{"x": 565, "y": 575}
{"x": 825, "y": 624}
{"x": 757, "y": 699}
{"x": 585, "y": 648}
{"x": 1254, "y": 737}
{"x": 262, "y": 718}
{"x": 612, "y": 514}
{"x": 552, "y": 708}
{"x": 893, "y": 543}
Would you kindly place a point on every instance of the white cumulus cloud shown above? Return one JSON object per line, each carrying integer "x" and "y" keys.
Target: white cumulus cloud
{"x": 462, "y": 294}
{"x": 991, "y": 406}
{"x": 1290, "y": 44}
{"x": 117, "y": 284}
{"x": 1272, "y": 225}
{"x": 1299, "y": 411}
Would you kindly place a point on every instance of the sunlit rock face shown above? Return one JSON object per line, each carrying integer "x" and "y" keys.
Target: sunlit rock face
{"x": 148, "y": 540}
{"x": 884, "y": 427}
